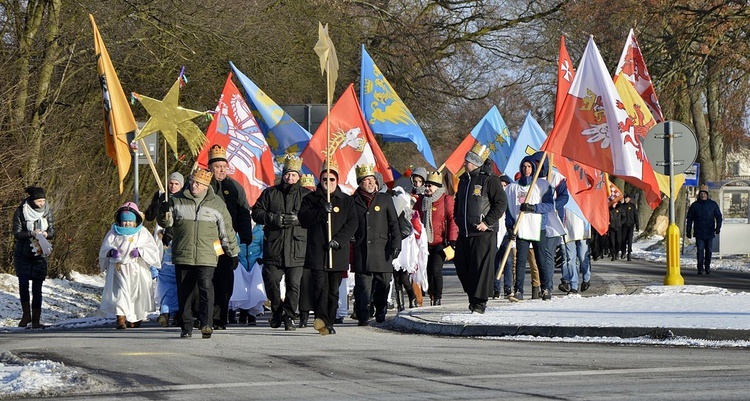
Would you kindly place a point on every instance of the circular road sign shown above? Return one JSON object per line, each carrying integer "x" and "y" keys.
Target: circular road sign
{"x": 684, "y": 147}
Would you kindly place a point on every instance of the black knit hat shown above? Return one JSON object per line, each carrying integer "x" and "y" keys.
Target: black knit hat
{"x": 35, "y": 193}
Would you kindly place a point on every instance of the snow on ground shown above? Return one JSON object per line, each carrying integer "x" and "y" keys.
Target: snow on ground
{"x": 75, "y": 302}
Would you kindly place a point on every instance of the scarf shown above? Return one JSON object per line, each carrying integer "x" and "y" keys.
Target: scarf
{"x": 427, "y": 212}
{"x": 34, "y": 217}
{"x": 366, "y": 196}
{"x": 119, "y": 230}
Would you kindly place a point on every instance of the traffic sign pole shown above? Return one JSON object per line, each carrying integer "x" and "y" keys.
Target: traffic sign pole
{"x": 673, "y": 276}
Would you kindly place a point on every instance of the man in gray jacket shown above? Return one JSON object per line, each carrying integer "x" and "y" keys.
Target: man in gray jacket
{"x": 202, "y": 230}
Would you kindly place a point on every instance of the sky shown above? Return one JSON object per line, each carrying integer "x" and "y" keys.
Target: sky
{"x": 74, "y": 303}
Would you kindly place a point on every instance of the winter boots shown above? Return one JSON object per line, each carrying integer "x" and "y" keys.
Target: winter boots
{"x": 412, "y": 297}
{"x": 243, "y": 316}
{"x": 26, "y": 318}
{"x": 536, "y": 292}
{"x": 120, "y": 323}
{"x": 303, "y": 315}
{"x": 163, "y": 319}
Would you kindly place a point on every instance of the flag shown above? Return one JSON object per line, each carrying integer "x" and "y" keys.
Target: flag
{"x": 283, "y": 134}
{"x": 614, "y": 193}
{"x": 118, "y": 118}
{"x": 352, "y": 143}
{"x": 491, "y": 131}
{"x": 529, "y": 141}
{"x": 328, "y": 60}
{"x": 596, "y": 129}
{"x": 565, "y": 74}
{"x": 634, "y": 68}
{"x": 386, "y": 112}
{"x": 248, "y": 154}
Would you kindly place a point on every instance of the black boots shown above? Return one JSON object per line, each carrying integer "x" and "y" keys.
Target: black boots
{"x": 26, "y": 318}
{"x": 412, "y": 298}
{"x": 303, "y": 315}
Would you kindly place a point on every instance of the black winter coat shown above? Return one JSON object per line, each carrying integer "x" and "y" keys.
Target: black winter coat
{"x": 629, "y": 214}
{"x": 313, "y": 217}
{"x": 615, "y": 218}
{"x": 282, "y": 246}
{"x": 233, "y": 195}
{"x": 378, "y": 234}
{"x": 24, "y": 259}
{"x": 703, "y": 219}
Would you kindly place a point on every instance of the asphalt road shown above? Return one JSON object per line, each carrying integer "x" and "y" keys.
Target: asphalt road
{"x": 374, "y": 363}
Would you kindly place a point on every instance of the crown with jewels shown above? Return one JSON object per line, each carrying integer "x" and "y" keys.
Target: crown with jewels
{"x": 364, "y": 170}
{"x": 307, "y": 180}
{"x": 330, "y": 165}
{"x": 292, "y": 163}
{"x": 202, "y": 176}
{"x": 217, "y": 153}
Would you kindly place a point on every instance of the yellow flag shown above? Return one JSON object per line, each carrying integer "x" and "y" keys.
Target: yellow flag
{"x": 118, "y": 118}
{"x": 328, "y": 60}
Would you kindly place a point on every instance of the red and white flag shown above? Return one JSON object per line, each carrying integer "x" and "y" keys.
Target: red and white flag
{"x": 594, "y": 128}
{"x": 634, "y": 68}
{"x": 352, "y": 143}
{"x": 236, "y": 130}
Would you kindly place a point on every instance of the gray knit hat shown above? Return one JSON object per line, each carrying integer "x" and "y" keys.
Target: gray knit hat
{"x": 177, "y": 177}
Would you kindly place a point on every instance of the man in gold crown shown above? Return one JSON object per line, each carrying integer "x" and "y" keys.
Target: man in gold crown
{"x": 233, "y": 195}
{"x": 285, "y": 241}
{"x": 201, "y": 231}
{"x": 314, "y": 214}
{"x": 376, "y": 243}
{"x": 480, "y": 201}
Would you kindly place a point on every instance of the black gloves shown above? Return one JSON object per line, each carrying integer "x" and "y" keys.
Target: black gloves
{"x": 164, "y": 208}
{"x": 166, "y": 238}
{"x": 718, "y": 230}
{"x": 525, "y": 207}
{"x": 511, "y": 236}
{"x": 395, "y": 252}
{"x": 328, "y": 207}
{"x": 334, "y": 245}
{"x": 235, "y": 262}
{"x": 290, "y": 219}
{"x": 246, "y": 240}
{"x": 452, "y": 244}
{"x": 276, "y": 219}
{"x": 688, "y": 234}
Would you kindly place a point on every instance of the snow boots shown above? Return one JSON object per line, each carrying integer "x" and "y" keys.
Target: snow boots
{"x": 26, "y": 318}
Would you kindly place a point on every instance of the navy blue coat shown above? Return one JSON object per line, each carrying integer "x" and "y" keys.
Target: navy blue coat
{"x": 703, "y": 219}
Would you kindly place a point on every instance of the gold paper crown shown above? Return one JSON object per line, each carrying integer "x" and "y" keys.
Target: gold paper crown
{"x": 307, "y": 180}
{"x": 292, "y": 163}
{"x": 703, "y": 187}
{"x": 435, "y": 177}
{"x": 330, "y": 165}
{"x": 217, "y": 153}
{"x": 482, "y": 150}
{"x": 202, "y": 176}
{"x": 364, "y": 170}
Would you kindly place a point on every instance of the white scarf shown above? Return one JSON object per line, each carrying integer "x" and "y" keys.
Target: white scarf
{"x": 34, "y": 216}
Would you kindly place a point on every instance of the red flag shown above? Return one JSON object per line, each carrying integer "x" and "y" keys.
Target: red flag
{"x": 594, "y": 128}
{"x": 352, "y": 143}
{"x": 455, "y": 161}
{"x": 565, "y": 74}
{"x": 632, "y": 65}
{"x": 236, "y": 130}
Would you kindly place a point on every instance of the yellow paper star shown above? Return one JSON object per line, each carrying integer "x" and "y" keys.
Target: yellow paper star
{"x": 169, "y": 118}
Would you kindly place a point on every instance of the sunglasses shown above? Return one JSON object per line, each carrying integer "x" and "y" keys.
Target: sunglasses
{"x": 331, "y": 179}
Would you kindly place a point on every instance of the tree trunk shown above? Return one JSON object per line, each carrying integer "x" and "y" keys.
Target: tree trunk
{"x": 715, "y": 138}
{"x": 26, "y": 35}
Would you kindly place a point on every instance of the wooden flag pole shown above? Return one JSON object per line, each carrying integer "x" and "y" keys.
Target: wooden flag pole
{"x": 151, "y": 164}
{"x": 520, "y": 215}
{"x": 328, "y": 160}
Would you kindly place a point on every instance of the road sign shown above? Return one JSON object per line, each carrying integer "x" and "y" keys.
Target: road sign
{"x": 684, "y": 147}
{"x": 692, "y": 174}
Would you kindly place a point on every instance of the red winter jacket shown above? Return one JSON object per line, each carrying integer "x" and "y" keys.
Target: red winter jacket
{"x": 442, "y": 213}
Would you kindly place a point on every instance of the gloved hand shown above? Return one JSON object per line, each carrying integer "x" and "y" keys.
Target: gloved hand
{"x": 166, "y": 238}
{"x": 688, "y": 234}
{"x": 718, "y": 230}
{"x": 235, "y": 262}
{"x": 334, "y": 245}
{"x": 134, "y": 253}
{"x": 525, "y": 207}
{"x": 511, "y": 236}
{"x": 113, "y": 253}
{"x": 290, "y": 219}
{"x": 164, "y": 208}
{"x": 452, "y": 244}
{"x": 328, "y": 207}
{"x": 395, "y": 253}
{"x": 154, "y": 273}
{"x": 276, "y": 219}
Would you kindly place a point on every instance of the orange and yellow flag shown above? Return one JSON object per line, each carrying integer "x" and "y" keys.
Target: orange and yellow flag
{"x": 118, "y": 118}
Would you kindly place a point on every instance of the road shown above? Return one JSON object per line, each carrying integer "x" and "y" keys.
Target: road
{"x": 374, "y": 363}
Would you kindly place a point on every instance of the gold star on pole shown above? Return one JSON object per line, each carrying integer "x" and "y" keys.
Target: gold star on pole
{"x": 169, "y": 118}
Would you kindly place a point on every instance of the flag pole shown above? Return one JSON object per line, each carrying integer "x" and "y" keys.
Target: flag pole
{"x": 151, "y": 164}
{"x": 328, "y": 158}
{"x": 520, "y": 215}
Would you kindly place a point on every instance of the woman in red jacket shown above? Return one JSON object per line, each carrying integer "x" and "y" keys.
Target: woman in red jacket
{"x": 435, "y": 209}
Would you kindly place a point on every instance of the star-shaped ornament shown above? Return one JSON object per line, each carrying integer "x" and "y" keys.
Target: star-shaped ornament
{"x": 169, "y": 118}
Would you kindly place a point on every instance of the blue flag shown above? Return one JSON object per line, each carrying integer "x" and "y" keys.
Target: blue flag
{"x": 386, "y": 113}
{"x": 492, "y": 131}
{"x": 284, "y": 135}
{"x": 529, "y": 141}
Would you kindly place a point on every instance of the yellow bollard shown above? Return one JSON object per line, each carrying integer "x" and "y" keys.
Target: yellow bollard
{"x": 673, "y": 276}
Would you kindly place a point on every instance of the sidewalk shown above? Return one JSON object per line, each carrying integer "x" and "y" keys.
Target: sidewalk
{"x": 625, "y": 307}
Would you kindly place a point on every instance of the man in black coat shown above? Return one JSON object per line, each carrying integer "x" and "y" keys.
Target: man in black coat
{"x": 704, "y": 221}
{"x": 629, "y": 217}
{"x": 480, "y": 202}
{"x": 284, "y": 241}
{"x": 314, "y": 214}
{"x": 376, "y": 243}
{"x": 233, "y": 195}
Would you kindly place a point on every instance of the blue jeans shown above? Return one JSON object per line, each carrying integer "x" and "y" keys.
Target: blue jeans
{"x": 577, "y": 260}
{"x": 704, "y": 253}
{"x": 544, "y": 252}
